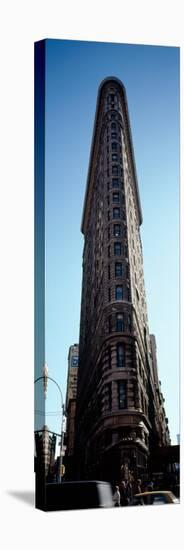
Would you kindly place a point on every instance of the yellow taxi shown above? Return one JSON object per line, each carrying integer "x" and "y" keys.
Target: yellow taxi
{"x": 155, "y": 497}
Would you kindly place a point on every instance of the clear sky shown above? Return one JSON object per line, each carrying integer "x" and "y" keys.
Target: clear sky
{"x": 74, "y": 71}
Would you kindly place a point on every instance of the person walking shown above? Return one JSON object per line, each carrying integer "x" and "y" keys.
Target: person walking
{"x": 116, "y": 496}
{"x": 129, "y": 493}
{"x": 123, "y": 501}
{"x": 139, "y": 486}
{"x": 150, "y": 485}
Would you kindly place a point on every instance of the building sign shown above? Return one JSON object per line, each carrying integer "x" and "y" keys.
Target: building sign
{"x": 74, "y": 361}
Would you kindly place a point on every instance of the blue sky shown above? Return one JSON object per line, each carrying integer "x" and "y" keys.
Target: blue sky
{"x": 74, "y": 71}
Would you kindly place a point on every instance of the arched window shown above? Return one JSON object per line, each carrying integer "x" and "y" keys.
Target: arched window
{"x": 120, "y": 351}
{"x": 117, "y": 230}
{"x": 117, "y": 249}
{"x": 119, "y": 322}
{"x": 122, "y": 394}
{"x": 115, "y": 197}
{"x": 116, "y": 213}
{"x": 118, "y": 269}
{"x": 115, "y": 170}
{"x": 115, "y": 182}
{"x": 119, "y": 292}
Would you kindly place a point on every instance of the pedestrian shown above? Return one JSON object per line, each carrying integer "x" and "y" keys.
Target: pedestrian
{"x": 123, "y": 501}
{"x": 129, "y": 493}
{"x": 139, "y": 486}
{"x": 116, "y": 496}
{"x": 150, "y": 486}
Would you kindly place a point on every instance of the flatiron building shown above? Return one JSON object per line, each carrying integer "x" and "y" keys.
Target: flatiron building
{"x": 117, "y": 420}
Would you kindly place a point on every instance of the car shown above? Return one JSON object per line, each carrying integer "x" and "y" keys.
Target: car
{"x": 72, "y": 495}
{"x": 155, "y": 497}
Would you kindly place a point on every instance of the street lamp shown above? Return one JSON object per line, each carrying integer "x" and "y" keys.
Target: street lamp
{"x": 45, "y": 377}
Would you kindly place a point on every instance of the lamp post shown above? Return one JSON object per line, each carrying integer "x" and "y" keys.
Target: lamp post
{"x": 45, "y": 377}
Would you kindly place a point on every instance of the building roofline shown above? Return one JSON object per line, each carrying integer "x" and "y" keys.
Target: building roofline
{"x": 123, "y": 90}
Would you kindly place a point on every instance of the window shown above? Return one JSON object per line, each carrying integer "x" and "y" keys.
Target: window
{"x": 114, "y": 157}
{"x": 158, "y": 499}
{"x": 110, "y": 323}
{"x": 114, "y": 146}
{"x": 119, "y": 322}
{"x": 109, "y": 294}
{"x": 126, "y": 251}
{"x": 109, "y": 356}
{"x": 120, "y": 355}
{"x": 115, "y": 197}
{"x": 109, "y": 271}
{"x": 116, "y": 213}
{"x": 137, "y": 294}
{"x": 113, "y": 126}
{"x": 109, "y": 251}
{"x": 115, "y": 170}
{"x": 115, "y": 182}
{"x": 140, "y": 367}
{"x": 145, "y": 338}
{"x": 108, "y": 233}
{"x": 117, "y": 249}
{"x": 117, "y": 230}
{"x": 129, "y": 323}
{"x": 122, "y": 394}
{"x": 108, "y": 215}
{"x": 118, "y": 269}
{"x": 119, "y": 293}
{"x": 109, "y": 396}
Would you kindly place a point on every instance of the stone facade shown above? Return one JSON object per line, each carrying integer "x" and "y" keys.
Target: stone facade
{"x": 73, "y": 358}
{"x": 162, "y": 420}
{"x": 116, "y": 415}
{"x": 70, "y": 406}
{"x": 45, "y": 446}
